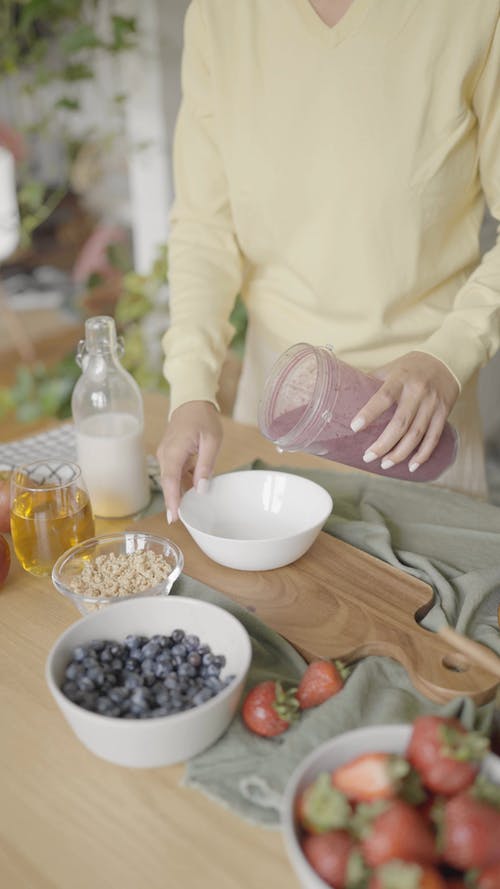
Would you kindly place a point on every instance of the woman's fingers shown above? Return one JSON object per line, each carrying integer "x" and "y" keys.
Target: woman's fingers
{"x": 172, "y": 472}
{"x": 207, "y": 453}
{"x": 397, "y": 428}
{"x": 422, "y": 391}
{"x": 419, "y": 441}
{"x": 192, "y": 439}
{"x": 430, "y": 440}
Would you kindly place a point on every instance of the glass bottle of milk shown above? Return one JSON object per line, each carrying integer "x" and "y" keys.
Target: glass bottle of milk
{"x": 108, "y": 416}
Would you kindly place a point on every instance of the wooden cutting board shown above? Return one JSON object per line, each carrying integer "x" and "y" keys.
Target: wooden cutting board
{"x": 339, "y": 602}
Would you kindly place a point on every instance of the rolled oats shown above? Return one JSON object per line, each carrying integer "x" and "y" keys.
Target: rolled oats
{"x": 121, "y": 574}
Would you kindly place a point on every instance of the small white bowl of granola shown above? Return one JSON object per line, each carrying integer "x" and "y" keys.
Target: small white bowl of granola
{"x": 113, "y": 567}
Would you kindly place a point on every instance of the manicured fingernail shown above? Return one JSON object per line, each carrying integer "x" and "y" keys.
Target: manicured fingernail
{"x": 169, "y": 517}
{"x": 368, "y": 456}
{"x": 202, "y": 486}
{"x": 413, "y": 466}
{"x": 387, "y": 464}
{"x": 358, "y": 424}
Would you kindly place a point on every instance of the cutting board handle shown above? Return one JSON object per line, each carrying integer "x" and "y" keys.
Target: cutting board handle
{"x": 436, "y": 668}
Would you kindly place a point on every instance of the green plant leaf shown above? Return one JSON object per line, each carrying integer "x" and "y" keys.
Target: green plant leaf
{"x": 119, "y": 257}
{"x": 77, "y": 71}
{"x": 31, "y": 194}
{"x": 82, "y": 37}
{"x": 68, "y": 104}
{"x": 124, "y": 31}
{"x": 29, "y": 411}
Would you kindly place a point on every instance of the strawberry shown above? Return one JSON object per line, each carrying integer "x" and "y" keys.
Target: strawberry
{"x": 403, "y": 875}
{"x": 377, "y": 776}
{"x": 446, "y": 756}
{"x": 320, "y": 807}
{"x": 469, "y": 832}
{"x": 321, "y": 680}
{"x": 394, "y": 829}
{"x": 268, "y": 709}
{"x": 335, "y": 858}
{"x": 489, "y": 878}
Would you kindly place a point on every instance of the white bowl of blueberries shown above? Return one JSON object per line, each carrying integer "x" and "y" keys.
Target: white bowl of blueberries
{"x": 151, "y": 681}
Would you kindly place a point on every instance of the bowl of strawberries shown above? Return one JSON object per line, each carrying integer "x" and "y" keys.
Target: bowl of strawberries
{"x": 412, "y": 806}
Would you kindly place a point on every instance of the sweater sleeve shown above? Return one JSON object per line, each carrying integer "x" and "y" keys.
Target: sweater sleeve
{"x": 205, "y": 263}
{"x": 470, "y": 334}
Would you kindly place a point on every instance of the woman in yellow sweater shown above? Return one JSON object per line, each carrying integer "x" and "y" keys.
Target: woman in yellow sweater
{"x": 332, "y": 159}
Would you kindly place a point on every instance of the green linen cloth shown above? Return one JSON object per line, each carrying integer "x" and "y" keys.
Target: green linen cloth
{"x": 448, "y": 540}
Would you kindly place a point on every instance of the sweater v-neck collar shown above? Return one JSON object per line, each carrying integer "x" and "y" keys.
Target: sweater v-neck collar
{"x": 334, "y": 34}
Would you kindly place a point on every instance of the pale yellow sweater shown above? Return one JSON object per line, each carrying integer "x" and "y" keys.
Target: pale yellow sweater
{"x": 336, "y": 178}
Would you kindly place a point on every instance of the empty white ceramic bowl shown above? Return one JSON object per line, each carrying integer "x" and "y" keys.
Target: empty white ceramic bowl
{"x": 331, "y": 755}
{"x": 257, "y": 519}
{"x": 160, "y": 740}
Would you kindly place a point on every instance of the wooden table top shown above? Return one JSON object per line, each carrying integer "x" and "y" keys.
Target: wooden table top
{"x": 69, "y": 819}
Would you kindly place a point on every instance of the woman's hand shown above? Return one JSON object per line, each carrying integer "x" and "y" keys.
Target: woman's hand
{"x": 188, "y": 450}
{"x": 424, "y": 392}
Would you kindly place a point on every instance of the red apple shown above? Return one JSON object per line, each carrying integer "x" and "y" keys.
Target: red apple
{"x": 4, "y": 502}
{"x": 4, "y": 559}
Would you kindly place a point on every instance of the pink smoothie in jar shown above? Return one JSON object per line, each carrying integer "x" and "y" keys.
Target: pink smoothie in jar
{"x": 309, "y": 401}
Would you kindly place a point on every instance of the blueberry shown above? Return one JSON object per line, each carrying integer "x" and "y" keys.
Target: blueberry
{"x": 110, "y": 678}
{"x": 208, "y": 658}
{"x": 164, "y": 657}
{"x": 70, "y": 689}
{"x": 151, "y": 649}
{"x": 140, "y": 695}
{"x": 161, "y": 711}
{"x": 103, "y": 704}
{"x": 105, "y": 655}
{"x": 204, "y": 694}
{"x": 171, "y": 681}
{"x": 162, "y": 697}
{"x": 162, "y": 670}
{"x": 85, "y": 683}
{"x": 132, "y": 681}
{"x": 219, "y": 661}
{"x": 191, "y": 642}
{"x": 162, "y": 641}
{"x": 96, "y": 674}
{"x": 175, "y": 704}
{"x": 79, "y": 653}
{"x": 214, "y": 683}
{"x": 87, "y": 700}
{"x": 204, "y": 649}
{"x": 179, "y": 651}
{"x": 177, "y": 636}
{"x": 186, "y": 670}
{"x": 74, "y": 670}
{"x": 194, "y": 658}
{"x": 97, "y": 644}
{"x": 118, "y": 695}
{"x": 134, "y": 641}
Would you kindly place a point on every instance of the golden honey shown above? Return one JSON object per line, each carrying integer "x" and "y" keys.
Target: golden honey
{"x": 46, "y": 522}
